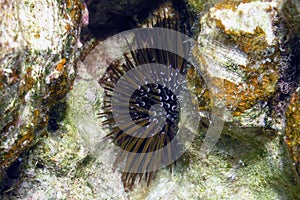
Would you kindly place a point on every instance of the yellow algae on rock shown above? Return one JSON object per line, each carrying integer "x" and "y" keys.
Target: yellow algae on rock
{"x": 238, "y": 44}
{"x": 251, "y": 18}
{"x": 293, "y": 128}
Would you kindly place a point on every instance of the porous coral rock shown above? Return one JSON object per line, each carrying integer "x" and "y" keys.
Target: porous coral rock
{"x": 238, "y": 45}
{"x": 37, "y": 67}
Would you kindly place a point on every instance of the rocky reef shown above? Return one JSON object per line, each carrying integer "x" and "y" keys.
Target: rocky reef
{"x": 37, "y": 58}
{"x": 245, "y": 73}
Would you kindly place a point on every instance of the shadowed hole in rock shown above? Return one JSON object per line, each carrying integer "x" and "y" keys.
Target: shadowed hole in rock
{"x": 56, "y": 114}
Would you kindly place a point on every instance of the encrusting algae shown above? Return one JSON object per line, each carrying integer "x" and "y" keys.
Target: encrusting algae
{"x": 292, "y": 129}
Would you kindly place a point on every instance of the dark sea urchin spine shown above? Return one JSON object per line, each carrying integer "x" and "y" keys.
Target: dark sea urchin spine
{"x": 139, "y": 106}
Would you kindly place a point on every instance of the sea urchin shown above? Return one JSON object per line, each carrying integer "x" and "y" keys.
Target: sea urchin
{"x": 163, "y": 91}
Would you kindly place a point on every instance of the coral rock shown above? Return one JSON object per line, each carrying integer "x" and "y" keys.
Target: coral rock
{"x": 238, "y": 50}
{"x": 37, "y": 57}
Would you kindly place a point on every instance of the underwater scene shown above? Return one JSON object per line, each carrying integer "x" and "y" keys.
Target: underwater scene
{"x": 140, "y": 99}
